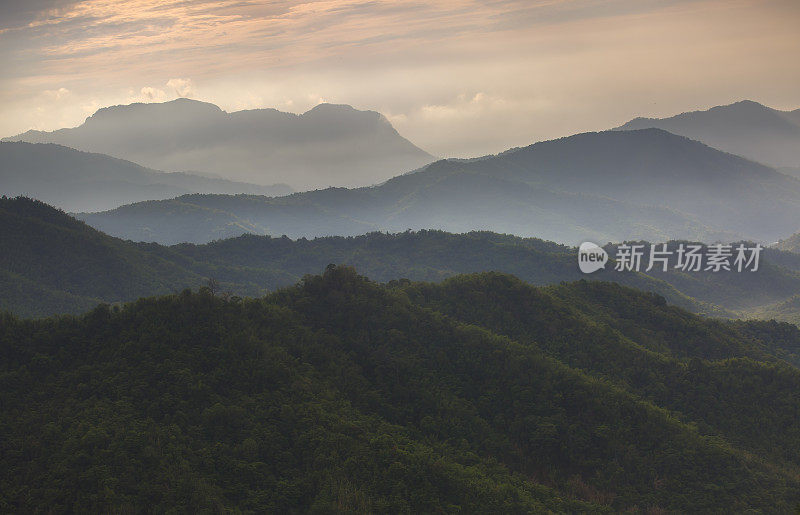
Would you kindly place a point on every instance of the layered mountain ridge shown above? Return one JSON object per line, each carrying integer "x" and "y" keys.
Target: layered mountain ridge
{"x": 329, "y": 145}
{"x": 56, "y": 264}
{"x": 83, "y": 181}
{"x": 607, "y": 186}
{"x": 745, "y": 128}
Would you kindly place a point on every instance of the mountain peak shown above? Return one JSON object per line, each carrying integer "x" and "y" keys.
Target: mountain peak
{"x": 177, "y": 107}
{"x": 333, "y": 112}
{"x": 326, "y": 107}
{"x": 747, "y": 102}
{"x": 329, "y": 145}
{"x": 742, "y": 106}
{"x": 639, "y": 135}
{"x": 746, "y": 128}
{"x": 29, "y": 207}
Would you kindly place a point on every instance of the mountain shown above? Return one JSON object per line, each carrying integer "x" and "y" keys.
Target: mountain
{"x": 56, "y": 264}
{"x": 785, "y": 310}
{"x": 482, "y": 394}
{"x": 53, "y": 263}
{"x": 745, "y": 128}
{"x": 330, "y": 145}
{"x": 608, "y": 186}
{"x": 81, "y": 181}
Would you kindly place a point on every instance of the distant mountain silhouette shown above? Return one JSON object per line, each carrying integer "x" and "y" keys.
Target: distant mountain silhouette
{"x": 745, "y": 128}
{"x": 609, "y": 186}
{"x": 330, "y": 145}
{"x": 81, "y": 181}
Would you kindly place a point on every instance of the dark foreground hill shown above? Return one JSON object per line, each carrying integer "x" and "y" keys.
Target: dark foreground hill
{"x": 482, "y": 394}
{"x": 53, "y": 263}
{"x": 609, "y": 186}
{"x": 330, "y": 145}
{"x": 81, "y": 181}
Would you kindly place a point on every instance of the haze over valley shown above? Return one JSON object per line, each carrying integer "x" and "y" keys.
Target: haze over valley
{"x": 609, "y": 186}
{"x": 82, "y": 181}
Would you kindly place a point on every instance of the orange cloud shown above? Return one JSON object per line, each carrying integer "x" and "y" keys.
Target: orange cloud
{"x": 527, "y": 69}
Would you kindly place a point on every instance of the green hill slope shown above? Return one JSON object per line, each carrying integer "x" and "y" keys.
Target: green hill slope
{"x": 49, "y": 251}
{"x": 56, "y": 264}
{"x": 718, "y": 375}
{"x": 342, "y": 395}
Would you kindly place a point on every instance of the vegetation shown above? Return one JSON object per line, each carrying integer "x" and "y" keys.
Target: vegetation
{"x": 53, "y": 263}
{"x": 724, "y": 377}
{"x": 339, "y": 394}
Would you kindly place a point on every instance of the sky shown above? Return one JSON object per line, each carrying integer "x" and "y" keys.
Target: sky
{"x": 459, "y": 78}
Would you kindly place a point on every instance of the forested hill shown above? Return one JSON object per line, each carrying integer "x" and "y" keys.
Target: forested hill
{"x": 53, "y": 263}
{"x": 479, "y": 394}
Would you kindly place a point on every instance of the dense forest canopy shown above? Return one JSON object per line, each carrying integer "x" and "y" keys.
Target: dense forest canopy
{"x": 340, "y": 394}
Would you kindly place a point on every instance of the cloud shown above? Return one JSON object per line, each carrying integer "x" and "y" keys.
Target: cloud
{"x": 456, "y": 77}
{"x": 90, "y": 107}
{"x": 314, "y": 99}
{"x": 465, "y": 106}
{"x": 175, "y": 88}
{"x": 472, "y": 124}
{"x": 150, "y": 94}
{"x": 182, "y": 87}
{"x": 21, "y": 13}
{"x": 56, "y": 94}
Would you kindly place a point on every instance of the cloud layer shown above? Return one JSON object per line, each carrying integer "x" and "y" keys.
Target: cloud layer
{"x": 458, "y": 77}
